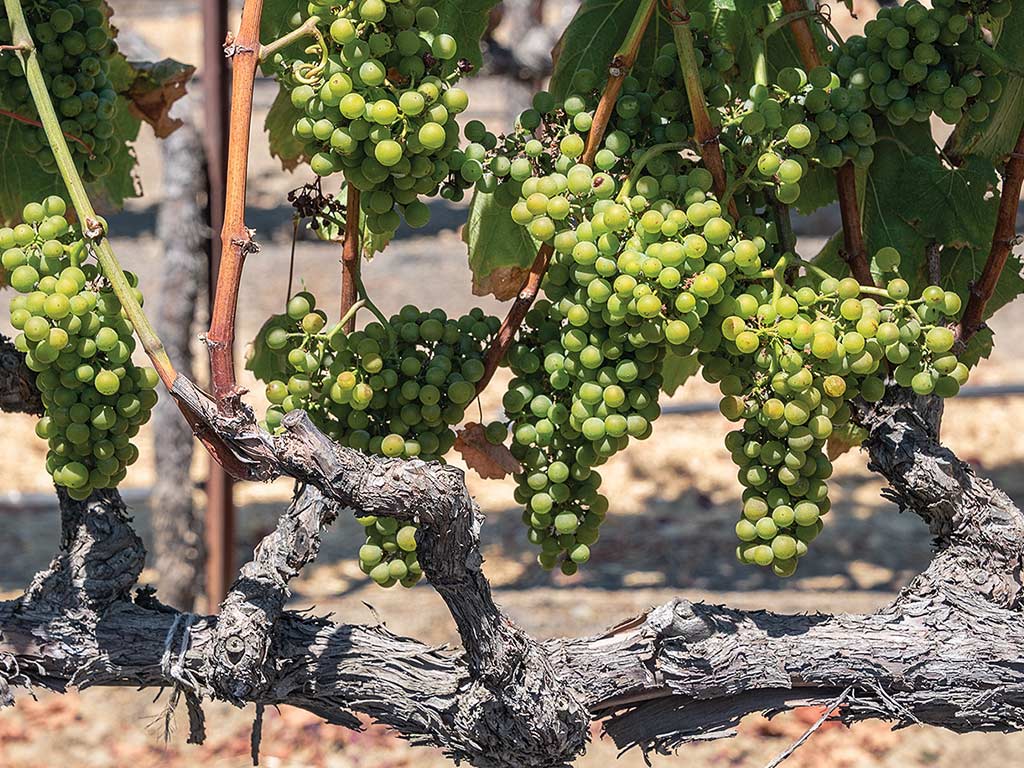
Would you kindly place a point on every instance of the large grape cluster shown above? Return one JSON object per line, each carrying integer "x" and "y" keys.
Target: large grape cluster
{"x": 378, "y": 104}
{"x": 75, "y": 43}
{"x": 788, "y": 364}
{"x": 77, "y": 339}
{"x": 914, "y": 61}
{"x": 394, "y": 390}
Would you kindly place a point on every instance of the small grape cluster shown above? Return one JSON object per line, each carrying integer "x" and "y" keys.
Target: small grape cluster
{"x": 378, "y": 104}
{"x": 801, "y": 118}
{"x": 76, "y": 43}
{"x": 914, "y": 61}
{"x": 393, "y": 389}
{"x": 77, "y": 339}
{"x": 389, "y": 554}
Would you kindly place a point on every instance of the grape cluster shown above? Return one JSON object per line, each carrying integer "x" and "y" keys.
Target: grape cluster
{"x": 389, "y": 554}
{"x": 802, "y": 118}
{"x": 394, "y": 389}
{"x": 636, "y": 265}
{"x": 378, "y": 104}
{"x": 650, "y": 266}
{"x": 77, "y": 339}
{"x": 789, "y": 363}
{"x": 913, "y": 61}
{"x": 76, "y": 43}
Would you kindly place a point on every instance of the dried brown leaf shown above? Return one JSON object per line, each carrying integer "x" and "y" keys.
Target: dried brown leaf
{"x": 504, "y": 282}
{"x": 491, "y": 462}
{"x": 155, "y": 89}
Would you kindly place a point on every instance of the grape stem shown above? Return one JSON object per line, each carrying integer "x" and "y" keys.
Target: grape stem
{"x": 707, "y": 135}
{"x": 235, "y": 238}
{"x": 855, "y": 250}
{"x": 621, "y": 63}
{"x": 365, "y": 300}
{"x": 1003, "y": 239}
{"x": 92, "y": 230}
{"x": 758, "y": 47}
{"x": 347, "y": 317}
{"x": 350, "y": 282}
{"x": 779, "y": 276}
{"x": 641, "y": 164}
{"x": 990, "y": 53}
{"x": 307, "y": 29}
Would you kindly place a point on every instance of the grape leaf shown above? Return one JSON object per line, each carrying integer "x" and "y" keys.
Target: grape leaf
{"x": 146, "y": 91}
{"x": 595, "y": 34}
{"x": 500, "y": 251}
{"x": 283, "y": 145}
{"x": 995, "y": 137}
{"x": 490, "y": 461}
{"x": 676, "y": 370}
{"x": 466, "y": 21}
{"x": 817, "y": 189}
{"x": 960, "y": 268}
{"x": 912, "y": 199}
{"x": 264, "y": 362}
{"x": 843, "y": 438}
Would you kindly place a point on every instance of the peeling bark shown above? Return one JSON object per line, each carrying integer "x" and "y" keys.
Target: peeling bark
{"x": 949, "y": 651}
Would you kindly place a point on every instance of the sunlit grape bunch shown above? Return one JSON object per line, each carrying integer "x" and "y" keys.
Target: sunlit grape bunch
{"x": 914, "y": 61}
{"x": 631, "y": 277}
{"x": 76, "y": 44}
{"x": 789, "y": 362}
{"x": 78, "y": 340}
{"x": 800, "y": 119}
{"x": 378, "y": 102}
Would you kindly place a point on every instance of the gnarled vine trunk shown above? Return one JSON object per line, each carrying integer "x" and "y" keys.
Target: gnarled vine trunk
{"x": 949, "y": 651}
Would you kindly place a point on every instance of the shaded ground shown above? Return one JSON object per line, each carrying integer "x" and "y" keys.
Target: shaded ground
{"x": 670, "y": 532}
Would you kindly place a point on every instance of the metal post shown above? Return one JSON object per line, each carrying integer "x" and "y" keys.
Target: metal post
{"x": 220, "y": 511}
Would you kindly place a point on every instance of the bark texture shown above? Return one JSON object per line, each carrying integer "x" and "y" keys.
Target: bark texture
{"x": 948, "y": 652}
{"x": 18, "y": 393}
{"x": 177, "y": 524}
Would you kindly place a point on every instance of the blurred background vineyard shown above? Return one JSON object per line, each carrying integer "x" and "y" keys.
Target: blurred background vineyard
{"x": 674, "y": 497}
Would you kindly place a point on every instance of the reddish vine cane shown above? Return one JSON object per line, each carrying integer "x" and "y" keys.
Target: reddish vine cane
{"x": 236, "y": 238}
{"x": 1003, "y": 239}
{"x": 703, "y": 129}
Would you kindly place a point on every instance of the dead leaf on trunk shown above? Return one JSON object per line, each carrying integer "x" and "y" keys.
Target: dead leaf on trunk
{"x": 490, "y": 461}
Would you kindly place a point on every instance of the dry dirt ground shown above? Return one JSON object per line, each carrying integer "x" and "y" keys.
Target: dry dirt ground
{"x": 670, "y": 532}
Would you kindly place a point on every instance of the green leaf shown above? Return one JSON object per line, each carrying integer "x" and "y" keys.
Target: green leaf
{"x": 995, "y": 137}
{"x": 913, "y": 199}
{"x": 466, "y": 21}
{"x": 676, "y": 370}
{"x": 500, "y": 251}
{"x": 817, "y": 189}
{"x": 595, "y": 34}
{"x": 146, "y": 91}
{"x": 264, "y": 362}
{"x": 283, "y": 144}
{"x": 830, "y": 257}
